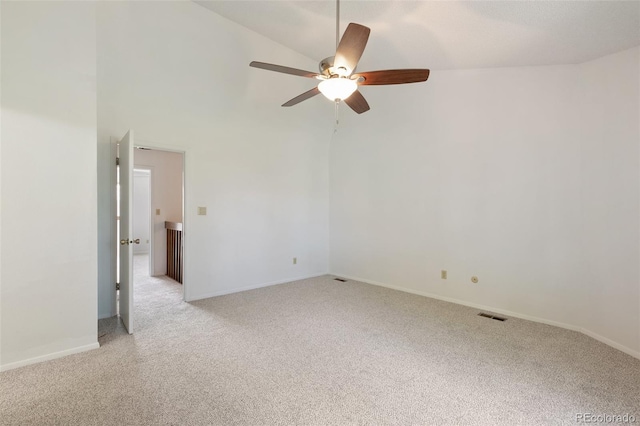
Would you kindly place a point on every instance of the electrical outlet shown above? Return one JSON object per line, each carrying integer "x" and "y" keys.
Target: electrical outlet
{"x": 474, "y": 279}
{"x": 295, "y": 260}
{"x": 443, "y": 274}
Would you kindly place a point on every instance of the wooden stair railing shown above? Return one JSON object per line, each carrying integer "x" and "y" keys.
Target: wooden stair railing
{"x": 174, "y": 250}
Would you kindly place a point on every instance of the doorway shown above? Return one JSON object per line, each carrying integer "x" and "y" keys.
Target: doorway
{"x": 162, "y": 173}
{"x": 150, "y": 204}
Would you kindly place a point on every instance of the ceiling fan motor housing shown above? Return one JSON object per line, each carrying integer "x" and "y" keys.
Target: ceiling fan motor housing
{"x": 328, "y": 69}
{"x": 325, "y": 65}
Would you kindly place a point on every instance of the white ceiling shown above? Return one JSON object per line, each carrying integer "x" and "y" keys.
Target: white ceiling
{"x": 447, "y": 34}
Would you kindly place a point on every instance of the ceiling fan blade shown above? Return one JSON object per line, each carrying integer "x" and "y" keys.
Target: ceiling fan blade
{"x": 351, "y": 46}
{"x": 392, "y": 76}
{"x": 283, "y": 69}
{"x": 303, "y": 97}
{"x": 357, "y": 102}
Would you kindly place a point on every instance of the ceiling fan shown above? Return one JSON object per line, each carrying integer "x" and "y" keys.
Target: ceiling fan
{"x": 339, "y": 81}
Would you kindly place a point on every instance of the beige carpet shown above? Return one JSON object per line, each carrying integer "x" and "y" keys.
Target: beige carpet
{"x": 322, "y": 352}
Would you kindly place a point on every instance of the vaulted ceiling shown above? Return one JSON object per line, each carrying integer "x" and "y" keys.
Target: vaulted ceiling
{"x": 447, "y": 34}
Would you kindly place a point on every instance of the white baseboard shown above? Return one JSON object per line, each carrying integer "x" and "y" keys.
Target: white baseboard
{"x": 582, "y": 330}
{"x": 49, "y": 357}
{"x": 252, "y": 287}
{"x": 611, "y": 343}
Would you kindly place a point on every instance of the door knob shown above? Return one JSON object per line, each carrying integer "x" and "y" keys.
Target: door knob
{"x": 137, "y": 241}
{"x": 124, "y": 242}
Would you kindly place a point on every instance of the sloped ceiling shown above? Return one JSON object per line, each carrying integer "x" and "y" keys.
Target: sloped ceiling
{"x": 447, "y": 34}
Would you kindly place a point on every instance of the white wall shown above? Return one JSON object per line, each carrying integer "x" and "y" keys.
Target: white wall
{"x": 475, "y": 172}
{"x": 48, "y": 142}
{"x": 141, "y": 210}
{"x": 611, "y": 196}
{"x": 179, "y": 76}
{"x": 0, "y": 186}
{"x": 166, "y": 196}
{"x": 482, "y": 172}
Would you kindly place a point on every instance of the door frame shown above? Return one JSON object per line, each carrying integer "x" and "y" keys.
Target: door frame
{"x": 114, "y": 211}
{"x": 113, "y": 179}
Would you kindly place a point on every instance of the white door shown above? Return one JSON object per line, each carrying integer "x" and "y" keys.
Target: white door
{"x": 126, "y": 241}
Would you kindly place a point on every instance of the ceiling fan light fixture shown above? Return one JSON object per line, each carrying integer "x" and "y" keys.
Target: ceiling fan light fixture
{"x": 339, "y": 88}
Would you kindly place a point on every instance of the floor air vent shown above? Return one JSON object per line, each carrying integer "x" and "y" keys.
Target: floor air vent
{"x": 342, "y": 280}
{"x": 482, "y": 314}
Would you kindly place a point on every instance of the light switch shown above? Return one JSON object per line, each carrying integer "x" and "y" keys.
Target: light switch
{"x": 202, "y": 211}
{"x": 157, "y": 212}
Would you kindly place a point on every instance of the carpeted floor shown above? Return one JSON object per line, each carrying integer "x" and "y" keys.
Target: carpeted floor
{"x": 321, "y": 352}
